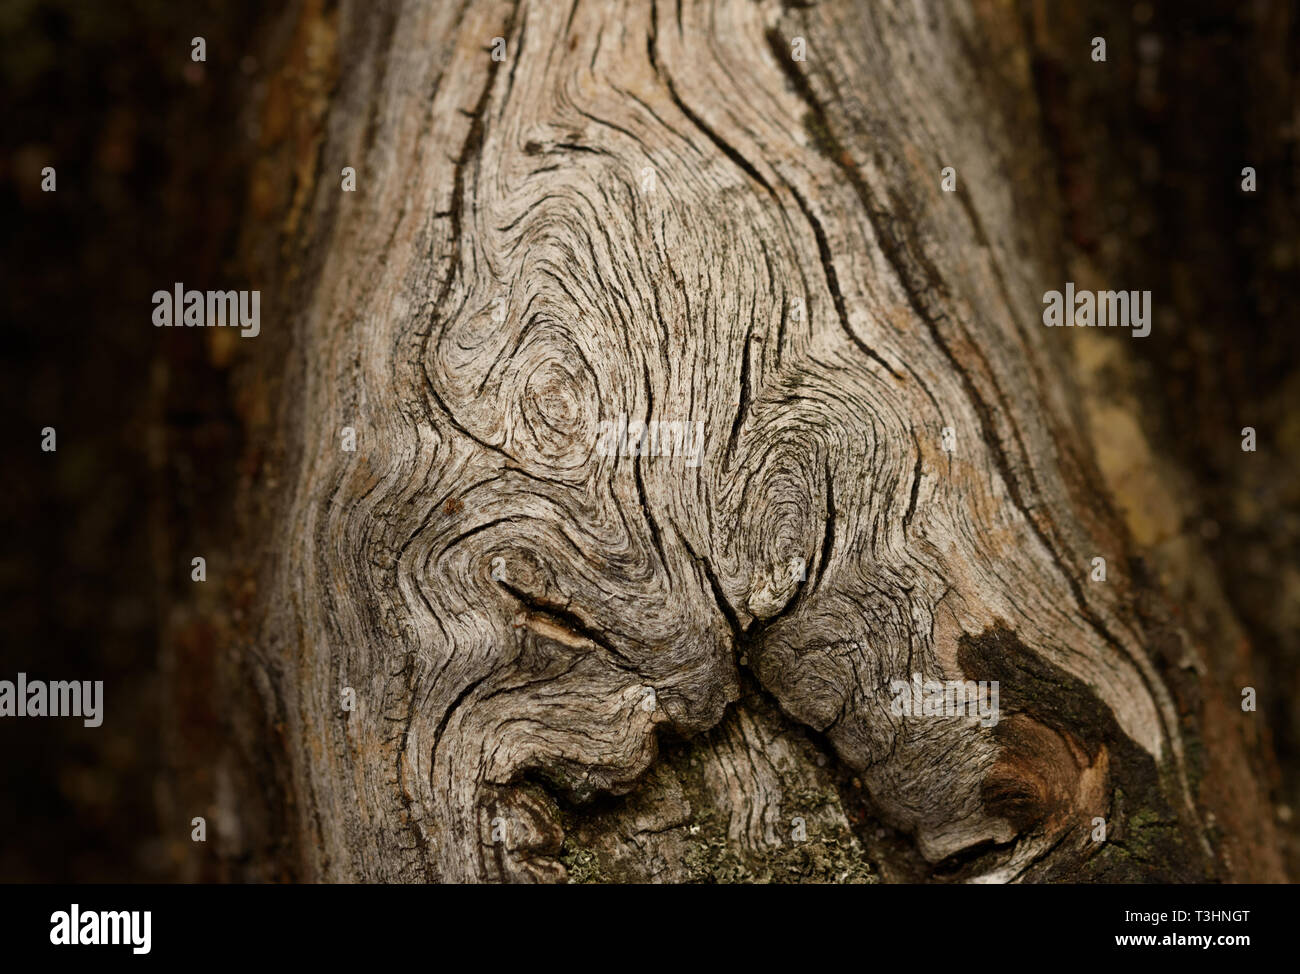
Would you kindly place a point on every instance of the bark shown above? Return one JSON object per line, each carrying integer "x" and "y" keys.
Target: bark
{"x": 593, "y": 667}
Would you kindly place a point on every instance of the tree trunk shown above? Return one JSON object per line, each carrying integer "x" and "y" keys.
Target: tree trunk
{"x": 482, "y": 646}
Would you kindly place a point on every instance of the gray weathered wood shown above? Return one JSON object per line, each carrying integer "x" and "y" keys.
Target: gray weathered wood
{"x": 652, "y": 210}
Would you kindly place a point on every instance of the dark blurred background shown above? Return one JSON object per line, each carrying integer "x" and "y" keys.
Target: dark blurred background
{"x": 148, "y": 153}
{"x": 152, "y": 153}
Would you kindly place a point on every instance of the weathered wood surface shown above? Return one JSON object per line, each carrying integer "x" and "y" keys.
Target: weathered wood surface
{"x": 683, "y": 223}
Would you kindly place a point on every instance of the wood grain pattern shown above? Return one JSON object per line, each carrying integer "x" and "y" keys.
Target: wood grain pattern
{"x": 650, "y": 210}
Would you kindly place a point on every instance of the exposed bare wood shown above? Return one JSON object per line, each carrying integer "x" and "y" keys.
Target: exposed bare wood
{"x": 653, "y": 211}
